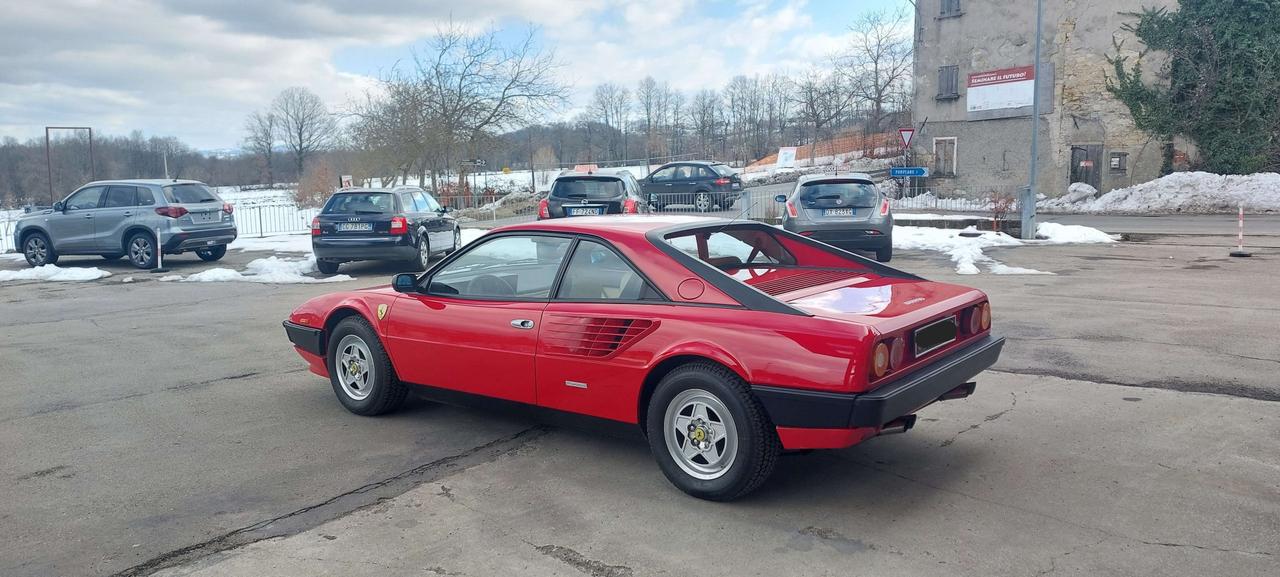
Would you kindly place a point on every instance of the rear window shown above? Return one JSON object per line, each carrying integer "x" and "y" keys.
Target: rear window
{"x": 723, "y": 170}
{"x": 189, "y": 193}
{"x": 587, "y": 187}
{"x": 728, "y": 249}
{"x": 361, "y": 203}
{"x": 833, "y": 194}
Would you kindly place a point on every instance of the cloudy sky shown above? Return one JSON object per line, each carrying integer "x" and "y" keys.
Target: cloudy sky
{"x": 195, "y": 68}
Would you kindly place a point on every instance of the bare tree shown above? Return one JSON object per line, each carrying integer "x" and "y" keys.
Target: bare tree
{"x": 260, "y": 140}
{"x": 821, "y": 100}
{"x": 611, "y": 104}
{"x": 877, "y": 63}
{"x": 305, "y": 125}
{"x": 704, "y": 119}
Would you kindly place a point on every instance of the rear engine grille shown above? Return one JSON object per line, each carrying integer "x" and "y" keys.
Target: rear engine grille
{"x": 804, "y": 280}
{"x": 594, "y": 337}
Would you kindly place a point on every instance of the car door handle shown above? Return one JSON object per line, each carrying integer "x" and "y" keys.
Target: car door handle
{"x": 88, "y": 216}
{"x": 128, "y": 214}
{"x": 522, "y": 324}
{"x": 668, "y": 184}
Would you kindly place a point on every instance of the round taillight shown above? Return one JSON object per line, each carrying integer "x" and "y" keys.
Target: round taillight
{"x": 897, "y": 351}
{"x": 880, "y": 360}
{"x": 974, "y": 318}
{"x": 986, "y": 315}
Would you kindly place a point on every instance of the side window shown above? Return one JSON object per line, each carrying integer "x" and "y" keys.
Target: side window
{"x": 145, "y": 197}
{"x": 704, "y": 172}
{"x": 664, "y": 174}
{"x": 120, "y": 197}
{"x": 684, "y": 173}
{"x": 733, "y": 248}
{"x": 426, "y": 201}
{"x": 597, "y": 273}
{"x": 503, "y": 268}
{"x": 409, "y": 203}
{"x": 86, "y": 198}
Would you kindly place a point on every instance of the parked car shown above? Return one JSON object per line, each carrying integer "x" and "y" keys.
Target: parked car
{"x": 703, "y": 185}
{"x": 846, "y": 211}
{"x": 595, "y": 193}
{"x": 403, "y": 224}
{"x": 115, "y": 218}
{"x": 725, "y": 341}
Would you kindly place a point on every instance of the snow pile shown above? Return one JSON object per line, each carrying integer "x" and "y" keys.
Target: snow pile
{"x": 927, "y": 216}
{"x": 1056, "y": 233}
{"x": 965, "y": 252}
{"x": 51, "y": 272}
{"x": 14, "y": 256}
{"x": 271, "y": 270}
{"x": 280, "y": 243}
{"x": 1192, "y": 192}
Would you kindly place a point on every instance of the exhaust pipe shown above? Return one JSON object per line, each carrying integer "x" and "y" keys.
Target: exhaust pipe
{"x": 898, "y": 425}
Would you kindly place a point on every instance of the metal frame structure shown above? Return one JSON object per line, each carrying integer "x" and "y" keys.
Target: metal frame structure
{"x": 48, "y": 156}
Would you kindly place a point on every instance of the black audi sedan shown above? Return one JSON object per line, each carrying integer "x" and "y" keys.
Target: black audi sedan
{"x": 403, "y": 224}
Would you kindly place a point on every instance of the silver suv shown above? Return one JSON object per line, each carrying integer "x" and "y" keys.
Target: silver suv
{"x": 115, "y": 218}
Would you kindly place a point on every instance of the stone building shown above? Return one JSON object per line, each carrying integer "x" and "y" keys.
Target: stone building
{"x": 974, "y": 87}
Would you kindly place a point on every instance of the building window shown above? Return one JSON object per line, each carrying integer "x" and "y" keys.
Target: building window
{"x": 948, "y": 83}
{"x": 1119, "y": 161}
{"x": 944, "y": 156}
{"x": 950, "y": 8}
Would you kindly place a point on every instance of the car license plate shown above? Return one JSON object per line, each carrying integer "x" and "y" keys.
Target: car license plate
{"x": 837, "y": 212}
{"x": 213, "y": 216}
{"x": 934, "y": 335}
{"x": 584, "y": 212}
{"x": 354, "y": 226}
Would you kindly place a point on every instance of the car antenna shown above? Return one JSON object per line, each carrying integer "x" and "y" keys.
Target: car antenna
{"x": 744, "y": 212}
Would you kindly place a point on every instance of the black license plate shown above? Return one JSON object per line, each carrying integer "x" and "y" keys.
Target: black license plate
{"x": 584, "y": 212}
{"x": 934, "y": 335}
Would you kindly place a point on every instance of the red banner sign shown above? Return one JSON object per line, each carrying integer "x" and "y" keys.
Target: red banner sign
{"x": 1002, "y": 76}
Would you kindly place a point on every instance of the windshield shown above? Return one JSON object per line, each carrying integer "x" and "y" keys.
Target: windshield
{"x": 190, "y": 193}
{"x": 361, "y": 203}
{"x": 838, "y": 194}
{"x": 587, "y": 188}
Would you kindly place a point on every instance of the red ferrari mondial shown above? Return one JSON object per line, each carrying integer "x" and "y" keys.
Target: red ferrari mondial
{"x": 725, "y": 341}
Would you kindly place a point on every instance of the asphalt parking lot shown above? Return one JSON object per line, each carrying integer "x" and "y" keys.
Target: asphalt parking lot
{"x": 1131, "y": 428}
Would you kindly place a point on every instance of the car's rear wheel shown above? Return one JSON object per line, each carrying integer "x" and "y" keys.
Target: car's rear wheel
{"x": 884, "y": 254}
{"x": 327, "y": 267}
{"x": 711, "y": 438}
{"x": 457, "y": 241}
{"x": 142, "y": 250}
{"x": 38, "y": 250}
{"x": 423, "y": 260}
{"x": 702, "y": 201}
{"x": 360, "y": 370}
{"x": 212, "y": 253}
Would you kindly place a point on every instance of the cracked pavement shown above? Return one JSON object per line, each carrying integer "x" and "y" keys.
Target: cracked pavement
{"x": 170, "y": 428}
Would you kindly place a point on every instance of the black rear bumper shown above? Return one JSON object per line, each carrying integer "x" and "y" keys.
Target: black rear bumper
{"x": 821, "y": 410}
{"x": 398, "y": 248}
{"x": 309, "y": 339}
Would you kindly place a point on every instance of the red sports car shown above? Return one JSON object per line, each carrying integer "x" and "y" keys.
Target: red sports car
{"x": 725, "y": 341}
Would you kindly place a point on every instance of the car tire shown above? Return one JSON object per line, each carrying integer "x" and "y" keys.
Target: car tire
{"x": 423, "y": 260}
{"x": 327, "y": 267}
{"x": 712, "y": 402}
{"x": 142, "y": 250}
{"x": 212, "y": 254}
{"x": 457, "y": 241}
{"x": 38, "y": 250}
{"x": 360, "y": 370}
{"x": 702, "y": 201}
{"x": 884, "y": 254}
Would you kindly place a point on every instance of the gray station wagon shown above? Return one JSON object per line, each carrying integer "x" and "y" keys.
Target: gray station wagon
{"x": 133, "y": 218}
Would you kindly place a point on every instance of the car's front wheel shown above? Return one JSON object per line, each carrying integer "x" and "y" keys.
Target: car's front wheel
{"x": 212, "y": 253}
{"x": 711, "y": 438}
{"x": 142, "y": 250}
{"x": 360, "y": 370}
{"x": 38, "y": 250}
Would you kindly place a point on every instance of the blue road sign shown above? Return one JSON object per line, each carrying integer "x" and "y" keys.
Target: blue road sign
{"x": 908, "y": 172}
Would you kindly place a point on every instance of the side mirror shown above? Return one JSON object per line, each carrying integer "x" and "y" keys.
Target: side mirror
{"x": 405, "y": 283}
{"x": 59, "y": 207}
{"x": 780, "y": 198}
{"x": 448, "y": 209}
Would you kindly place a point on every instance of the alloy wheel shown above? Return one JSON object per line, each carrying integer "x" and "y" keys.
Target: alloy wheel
{"x": 36, "y": 251}
{"x": 700, "y": 434}
{"x": 702, "y": 202}
{"x": 354, "y": 367}
{"x": 140, "y": 250}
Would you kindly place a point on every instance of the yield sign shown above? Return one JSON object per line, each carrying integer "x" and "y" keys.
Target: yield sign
{"x": 907, "y": 134}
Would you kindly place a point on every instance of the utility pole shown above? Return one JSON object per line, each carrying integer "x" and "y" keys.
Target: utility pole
{"x": 1029, "y": 195}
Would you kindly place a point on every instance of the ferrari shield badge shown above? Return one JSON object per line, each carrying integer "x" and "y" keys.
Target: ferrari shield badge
{"x": 382, "y": 311}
